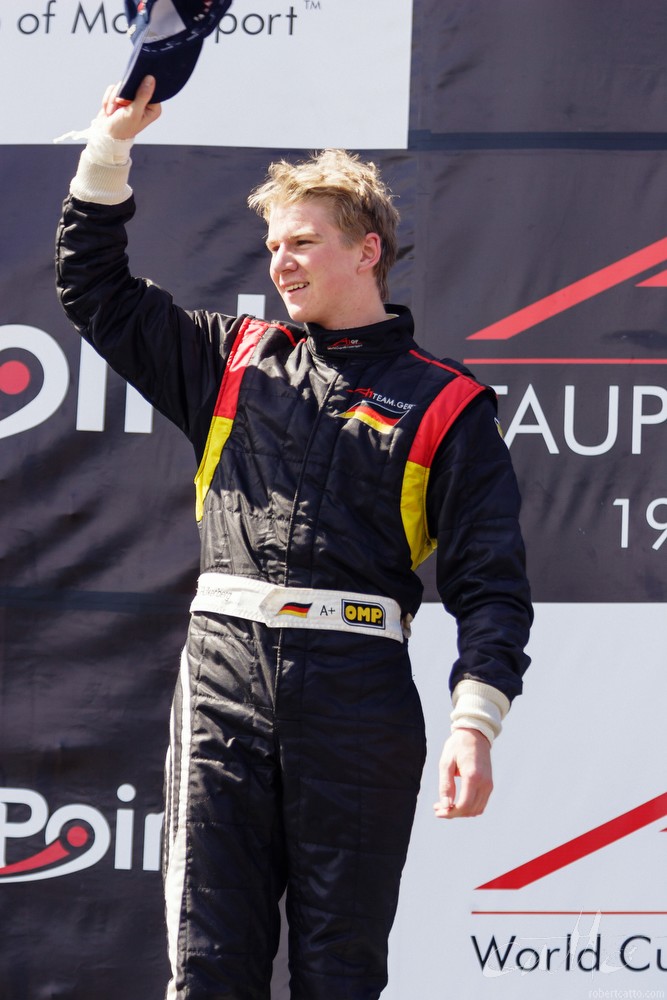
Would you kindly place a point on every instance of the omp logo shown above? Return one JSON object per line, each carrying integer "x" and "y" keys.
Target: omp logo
{"x": 358, "y": 613}
{"x": 579, "y": 291}
{"x": 572, "y": 851}
{"x": 75, "y": 836}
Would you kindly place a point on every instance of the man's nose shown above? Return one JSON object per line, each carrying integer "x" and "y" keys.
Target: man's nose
{"x": 283, "y": 259}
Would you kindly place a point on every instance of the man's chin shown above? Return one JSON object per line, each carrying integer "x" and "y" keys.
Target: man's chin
{"x": 299, "y": 312}
{"x": 299, "y": 315}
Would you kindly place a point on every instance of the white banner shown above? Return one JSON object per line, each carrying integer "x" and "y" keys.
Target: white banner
{"x": 558, "y": 890}
{"x": 276, "y": 73}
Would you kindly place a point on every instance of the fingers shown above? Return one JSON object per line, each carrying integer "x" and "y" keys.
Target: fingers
{"x": 472, "y": 800}
{"x": 447, "y": 787}
{"x": 125, "y": 119}
{"x": 145, "y": 91}
{"x": 467, "y": 754}
{"x": 108, "y": 104}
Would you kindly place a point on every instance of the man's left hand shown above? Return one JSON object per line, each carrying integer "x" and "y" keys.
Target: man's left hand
{"x": 466, "y": 755}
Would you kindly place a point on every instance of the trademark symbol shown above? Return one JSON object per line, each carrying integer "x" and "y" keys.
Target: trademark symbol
{"x": 313, "y": 4}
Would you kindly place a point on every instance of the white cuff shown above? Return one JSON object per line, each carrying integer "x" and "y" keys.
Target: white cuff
{"x": 104, "y": 166}
{"x": 479, "y": 706}
{"x": 101, "y": 183}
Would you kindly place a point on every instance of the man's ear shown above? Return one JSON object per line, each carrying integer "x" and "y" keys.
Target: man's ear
{"x": 370, "y": 252}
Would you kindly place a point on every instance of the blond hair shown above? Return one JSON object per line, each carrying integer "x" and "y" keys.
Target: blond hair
{"x": 360, "y": 201}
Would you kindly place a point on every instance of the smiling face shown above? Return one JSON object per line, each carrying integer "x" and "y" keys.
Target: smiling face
{"x": 322, "y": 277}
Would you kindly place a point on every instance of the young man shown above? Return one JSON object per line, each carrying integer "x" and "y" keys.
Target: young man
{"x": 333, "y": 457}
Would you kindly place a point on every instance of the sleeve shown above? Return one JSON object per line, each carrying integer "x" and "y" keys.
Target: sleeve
{"x": 174, "y": 358}
{"x": 473, "y": 506}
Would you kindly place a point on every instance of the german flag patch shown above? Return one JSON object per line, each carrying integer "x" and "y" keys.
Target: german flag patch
{"x": 296, "y": 610}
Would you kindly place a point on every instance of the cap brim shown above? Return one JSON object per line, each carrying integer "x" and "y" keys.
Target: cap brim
{"x": 171, "y": 68}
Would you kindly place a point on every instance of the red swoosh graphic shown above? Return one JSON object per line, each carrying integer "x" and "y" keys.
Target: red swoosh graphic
{"x": 587, "y": 843}
{"x": 578, "y": 291}
{"x": 75, "y": 837}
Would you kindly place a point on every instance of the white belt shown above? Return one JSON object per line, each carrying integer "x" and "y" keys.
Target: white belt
{"x": 298, "y": 607}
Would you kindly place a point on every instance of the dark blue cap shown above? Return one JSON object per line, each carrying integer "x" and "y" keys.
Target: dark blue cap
{"x": 167, "y": 37}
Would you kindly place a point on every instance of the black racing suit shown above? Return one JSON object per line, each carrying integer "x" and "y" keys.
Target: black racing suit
{"x": 328, "y": 459}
